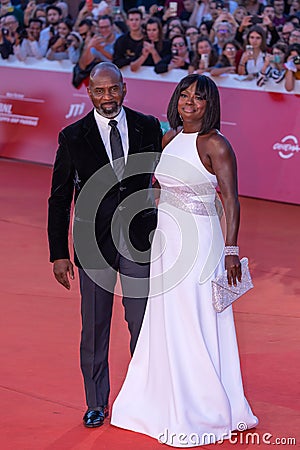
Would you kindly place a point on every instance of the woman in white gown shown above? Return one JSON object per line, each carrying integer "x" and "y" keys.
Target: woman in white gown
{"x": 184, "y": 385}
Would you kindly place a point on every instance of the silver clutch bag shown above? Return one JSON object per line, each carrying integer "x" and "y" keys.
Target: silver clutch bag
{"x": 223, "y": 294}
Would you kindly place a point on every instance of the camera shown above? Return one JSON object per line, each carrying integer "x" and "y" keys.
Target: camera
{"x": 52, "y": 30}
{"x": 296, "y": 59}
{"x": 255, "y": 20}
{"x": 23, "y": 34}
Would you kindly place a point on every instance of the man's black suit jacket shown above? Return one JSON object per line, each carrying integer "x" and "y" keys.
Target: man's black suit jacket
{"x": 82, "y": 167}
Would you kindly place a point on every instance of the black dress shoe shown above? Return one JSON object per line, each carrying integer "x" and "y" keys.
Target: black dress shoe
{"x": 95, "y": 417}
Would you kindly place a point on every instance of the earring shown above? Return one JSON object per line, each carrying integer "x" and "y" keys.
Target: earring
{"x": 180, "y": 118}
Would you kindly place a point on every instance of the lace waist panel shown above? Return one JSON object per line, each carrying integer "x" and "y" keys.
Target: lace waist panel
{"x": 198, "y": 199}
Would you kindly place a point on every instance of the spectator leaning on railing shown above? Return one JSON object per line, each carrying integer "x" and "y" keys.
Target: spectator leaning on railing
{"x": 253, "y": 57}
{"x": 154, "y": 47}
{"x": 229, "y": 60}
{"x": 63, "y": 45}
{"x": 204, "y": 58}
{"x": 29, "y": 44}
{"x": 273, "y": 67}
{"x": 179, "y": 58}
{"x": 293, "y": 66}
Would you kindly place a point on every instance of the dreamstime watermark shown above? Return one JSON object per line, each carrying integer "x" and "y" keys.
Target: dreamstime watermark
{"x": 183, "y": 202}
{"x": 239, "y": 436}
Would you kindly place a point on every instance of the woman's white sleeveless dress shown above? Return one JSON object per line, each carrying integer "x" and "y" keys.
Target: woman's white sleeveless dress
{"x": 183, "y": 384}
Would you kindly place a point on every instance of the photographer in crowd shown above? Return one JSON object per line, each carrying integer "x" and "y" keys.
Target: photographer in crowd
{"x": 293, "y": 66}
{"x": 8, "y": 35}
{"x": 64, "y": 45}
{"x": 273, "y": 67}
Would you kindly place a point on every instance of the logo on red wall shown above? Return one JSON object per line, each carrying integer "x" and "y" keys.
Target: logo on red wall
{"x": 76, "y": 109}
{"x": 287, "y": 147}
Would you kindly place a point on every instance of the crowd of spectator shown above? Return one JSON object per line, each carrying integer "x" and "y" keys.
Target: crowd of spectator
{"x": 254, "y": 39}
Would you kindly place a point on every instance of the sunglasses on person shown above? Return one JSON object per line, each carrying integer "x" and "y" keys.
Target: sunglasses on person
{"x": 178, "y": 44}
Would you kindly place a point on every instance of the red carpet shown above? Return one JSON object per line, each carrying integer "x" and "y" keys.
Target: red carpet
{"x": 42, "y": 399}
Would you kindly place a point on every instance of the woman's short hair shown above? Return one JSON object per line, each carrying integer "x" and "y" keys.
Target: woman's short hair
{"x": 206, "y": 87}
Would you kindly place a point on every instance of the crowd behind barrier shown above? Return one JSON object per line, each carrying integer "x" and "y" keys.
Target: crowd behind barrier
{"x": 250, "y": 48}
{"x": 37, "y": 99}
{"x": 256, "y": 39}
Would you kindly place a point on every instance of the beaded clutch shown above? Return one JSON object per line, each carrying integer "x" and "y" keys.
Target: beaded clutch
{"x": 223, "y": 294}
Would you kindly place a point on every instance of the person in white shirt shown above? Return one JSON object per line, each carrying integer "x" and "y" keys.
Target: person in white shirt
{"x": 30, "y": 46}
{"x": 54, "y": 16}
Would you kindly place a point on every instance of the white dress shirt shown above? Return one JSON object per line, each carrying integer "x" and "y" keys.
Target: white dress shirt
{"x": 104, "y": 130}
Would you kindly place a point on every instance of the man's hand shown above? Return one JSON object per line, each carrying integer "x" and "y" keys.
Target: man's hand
{"x": 61, "y": 269}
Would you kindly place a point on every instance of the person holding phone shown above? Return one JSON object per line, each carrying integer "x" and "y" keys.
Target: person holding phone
{"x": 179, "y": 58}
{"x": 172, "y": 9}
{"x": 205, "y": 57}
{"x": 273, "y": 67}
{"x": 252, "y": 59}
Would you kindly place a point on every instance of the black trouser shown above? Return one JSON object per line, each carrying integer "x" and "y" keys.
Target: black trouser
{"x": 96, "y": 311}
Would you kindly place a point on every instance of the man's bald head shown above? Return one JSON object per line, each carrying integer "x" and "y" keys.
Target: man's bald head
{"x": 106, "y": 89}
{"x": 106, "y": 68}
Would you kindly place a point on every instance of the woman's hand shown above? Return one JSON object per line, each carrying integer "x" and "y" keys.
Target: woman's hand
{"x": 246, "y": 22}
{"x": 150, "y": 47}
{"x": 58, "y": 44}
{"x": 178, "y": 61}
{"x": 233, "y": 267}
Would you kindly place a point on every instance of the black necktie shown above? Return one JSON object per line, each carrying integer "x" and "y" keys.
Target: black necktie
{"x": 116, "y": 149}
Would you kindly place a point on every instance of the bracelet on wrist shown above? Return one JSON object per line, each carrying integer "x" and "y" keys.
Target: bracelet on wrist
{"x": 232, "y": 250}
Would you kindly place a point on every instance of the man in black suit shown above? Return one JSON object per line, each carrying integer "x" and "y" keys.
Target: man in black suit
{"x": 107, "y": 158}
